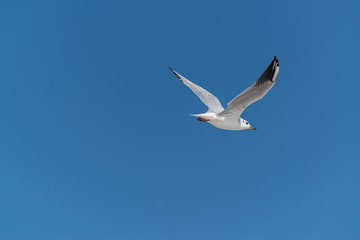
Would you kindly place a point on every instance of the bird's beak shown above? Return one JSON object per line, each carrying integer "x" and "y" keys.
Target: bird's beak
{"x": 252, "y": 128}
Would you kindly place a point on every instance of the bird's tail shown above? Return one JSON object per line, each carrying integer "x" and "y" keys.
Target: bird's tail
{"x": 202, "y": 117}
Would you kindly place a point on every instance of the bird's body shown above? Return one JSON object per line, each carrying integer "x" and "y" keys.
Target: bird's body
{"x": 229, "y": 122}
{"x": 229, "y": 118}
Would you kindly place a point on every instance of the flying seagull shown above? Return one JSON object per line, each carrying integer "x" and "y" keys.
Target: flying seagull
{"x": 229, "y": 118}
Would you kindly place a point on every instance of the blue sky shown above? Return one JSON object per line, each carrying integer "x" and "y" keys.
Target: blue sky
{"x": 96, "y": 139}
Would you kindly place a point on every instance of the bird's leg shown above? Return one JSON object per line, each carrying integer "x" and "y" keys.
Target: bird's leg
{"x": 202, "y": 119}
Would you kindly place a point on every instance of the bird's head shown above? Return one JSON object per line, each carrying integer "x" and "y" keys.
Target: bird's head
{"x": 247, "y": 125}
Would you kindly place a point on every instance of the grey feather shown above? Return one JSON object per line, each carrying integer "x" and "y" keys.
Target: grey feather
{"x": 255, "y": 92}
{"x": 207, "y": 98}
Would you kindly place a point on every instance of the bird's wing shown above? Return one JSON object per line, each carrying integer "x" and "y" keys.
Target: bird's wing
{"x": 207, "y": 98}
{"x": 255, "y": 92}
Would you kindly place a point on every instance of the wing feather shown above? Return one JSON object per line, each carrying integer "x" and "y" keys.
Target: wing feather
{"x": 255, "y": 92}
{"x": 207, "y": 98}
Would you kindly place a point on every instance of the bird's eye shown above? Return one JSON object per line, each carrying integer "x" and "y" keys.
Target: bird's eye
{"x": 247, "y": 123}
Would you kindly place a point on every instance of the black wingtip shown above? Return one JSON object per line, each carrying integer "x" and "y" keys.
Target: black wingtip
{"x": 177, "y": 75}
{"x": 172, "y": 70}
{"x": 276, "y": 60}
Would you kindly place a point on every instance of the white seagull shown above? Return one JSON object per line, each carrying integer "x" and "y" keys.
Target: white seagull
{"x": 229, "y": 118}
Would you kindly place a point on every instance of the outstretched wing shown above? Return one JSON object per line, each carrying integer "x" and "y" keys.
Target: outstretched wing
{"x": 207, "y": 98}
{"x": 255, "y": 92}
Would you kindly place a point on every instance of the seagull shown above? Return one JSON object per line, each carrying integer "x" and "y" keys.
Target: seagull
{"x": 229, "y": 118}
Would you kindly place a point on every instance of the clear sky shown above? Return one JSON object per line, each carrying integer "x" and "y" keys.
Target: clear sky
{"x": 96, "y": 140}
